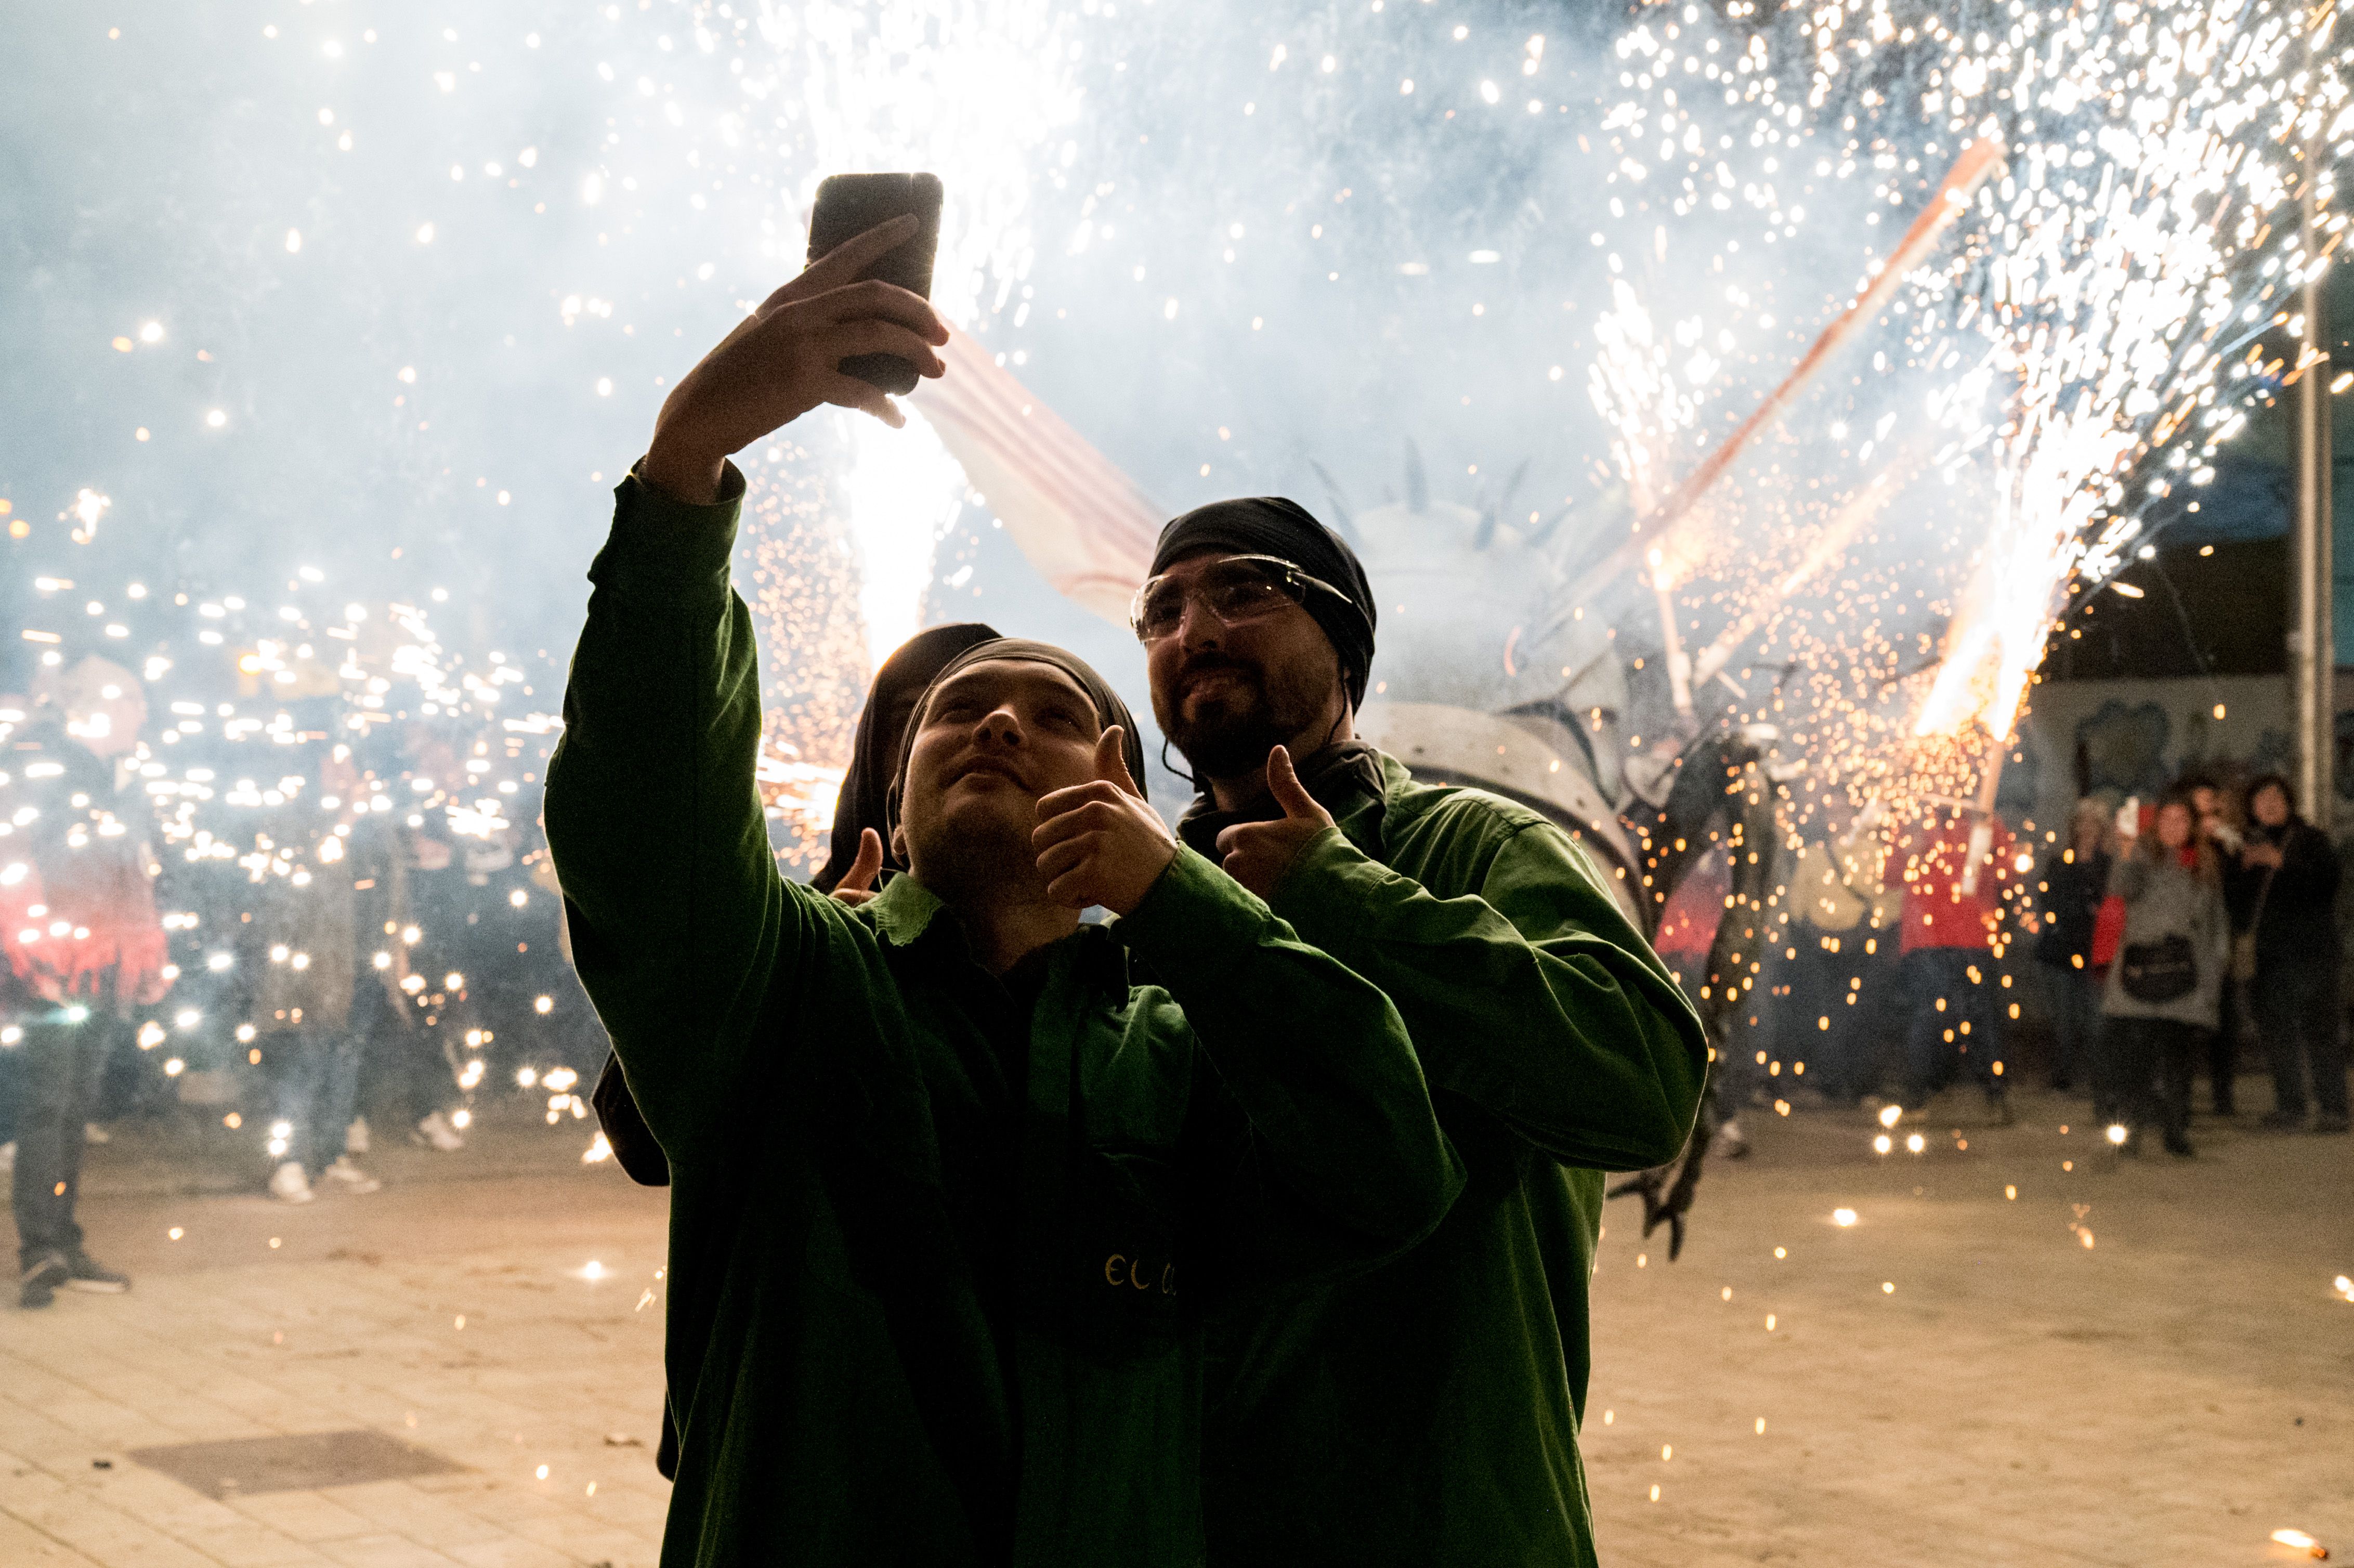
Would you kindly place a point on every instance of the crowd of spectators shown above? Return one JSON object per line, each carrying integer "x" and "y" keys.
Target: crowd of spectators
{"x": 2128, "y": 953}
{"x": 345, "y": 949}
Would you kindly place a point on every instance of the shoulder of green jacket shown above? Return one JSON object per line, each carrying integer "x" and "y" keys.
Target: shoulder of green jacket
{"x": 1409, "y": 802}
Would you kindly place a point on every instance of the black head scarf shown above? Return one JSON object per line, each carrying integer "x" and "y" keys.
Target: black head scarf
{"x": 1109, "y": 709}
{"x": 1271, "y": 526}
{"x": 898, "y": 690}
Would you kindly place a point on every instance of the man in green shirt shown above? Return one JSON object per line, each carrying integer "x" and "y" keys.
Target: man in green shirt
{"x": 950, "y": 1195}
{"x": 1427, "y": 1411}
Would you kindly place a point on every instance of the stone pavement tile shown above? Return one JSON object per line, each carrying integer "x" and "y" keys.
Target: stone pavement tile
{"x": 105, "y": 1535}
{"x": 414, "y": 1512}
{"x": 21, "y": 1546}
{"x": 511, "y": 1552}
{"x": 26, "y": 1431}
{"x": 515, "y": 1507}
{"x": 158, "y": 1499}
{"x": 306, "y": 1516}
{"x": 585, "y": 1541}
{"x": 385, "y": 1551}
{"x": 248, "y": 1544}
{"x": 26, "y": 1377}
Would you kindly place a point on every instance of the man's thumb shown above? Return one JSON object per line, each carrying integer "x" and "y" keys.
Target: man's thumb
{"x": 1112, "y": 759}
{"x": 860, "y": 877}
{"x": 1283, "y": 783}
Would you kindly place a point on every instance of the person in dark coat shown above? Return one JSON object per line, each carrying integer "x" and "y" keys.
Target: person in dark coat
{"x": 2075, "y": 879}
{"x": 2295, "y": 987}
{"x": 1425, "y": 1412}
{"x": 2218, "y": 823}
{"x": 858, "y": 811}
{"x": 859, "y": 814}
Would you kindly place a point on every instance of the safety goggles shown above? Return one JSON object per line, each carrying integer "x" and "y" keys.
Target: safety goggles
{"x": 1238, "y": 589}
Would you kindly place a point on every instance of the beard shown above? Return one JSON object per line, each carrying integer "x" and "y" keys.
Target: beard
{"x": 1227, "y": 732}
{"x": 969, "y": 847}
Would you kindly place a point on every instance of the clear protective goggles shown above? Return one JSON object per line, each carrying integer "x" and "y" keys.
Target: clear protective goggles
{"x": 1238, "y": 589}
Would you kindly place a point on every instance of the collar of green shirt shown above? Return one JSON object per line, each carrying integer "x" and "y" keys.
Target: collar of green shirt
{"x": 907, "y": 913}
{"x": 904, "y": 911}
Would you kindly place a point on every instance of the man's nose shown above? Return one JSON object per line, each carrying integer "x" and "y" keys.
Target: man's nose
{"x": 1001, "y": 726}
{"x": 1197, "y": 625}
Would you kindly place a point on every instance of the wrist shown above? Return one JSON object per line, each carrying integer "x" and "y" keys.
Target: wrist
{"x": 681, "y": 474}
{"x": 1145, "y": 885}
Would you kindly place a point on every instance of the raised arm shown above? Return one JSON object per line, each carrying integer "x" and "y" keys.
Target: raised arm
{"x": 1337, "y": 1159}
{"x": 1531, "y": 997}
{"x": 677, "y": 915}
{"x": 676, "y": 906}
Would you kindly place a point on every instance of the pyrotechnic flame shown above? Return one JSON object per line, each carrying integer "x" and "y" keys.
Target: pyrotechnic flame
{"x": 973, "y": 90}
{"x": 2080, "y": 329}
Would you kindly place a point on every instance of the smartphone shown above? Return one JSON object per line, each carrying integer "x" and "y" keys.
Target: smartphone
{"x": 850, "y": 205}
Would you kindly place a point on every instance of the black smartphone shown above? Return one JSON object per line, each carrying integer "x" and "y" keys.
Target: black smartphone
{"x": 850, "y": 205}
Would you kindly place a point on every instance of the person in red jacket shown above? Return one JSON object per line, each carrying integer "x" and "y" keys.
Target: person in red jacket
{"x": 85, "y": 946}
{"x": 1952, "y": 922}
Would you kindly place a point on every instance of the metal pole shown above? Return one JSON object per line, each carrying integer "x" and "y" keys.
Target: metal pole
{"x": 2313, "y": 654}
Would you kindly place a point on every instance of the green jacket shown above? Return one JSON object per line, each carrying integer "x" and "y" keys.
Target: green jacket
{"x": 940, "y": 1242}
{"x": 1427, "y": 1413}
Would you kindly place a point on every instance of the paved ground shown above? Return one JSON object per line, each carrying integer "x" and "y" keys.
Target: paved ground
{"x": 2169, "y": 1394}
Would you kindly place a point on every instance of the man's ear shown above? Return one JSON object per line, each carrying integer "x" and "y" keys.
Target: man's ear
{"x": 899, "y": 844}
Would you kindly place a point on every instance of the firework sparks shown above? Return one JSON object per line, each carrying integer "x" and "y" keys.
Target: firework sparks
{"x": 2062, "y": 332}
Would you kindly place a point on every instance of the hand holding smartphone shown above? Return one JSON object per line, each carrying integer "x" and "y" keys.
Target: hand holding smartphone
{"x": 850, "y": 205}
{"x": 793, "y": 351}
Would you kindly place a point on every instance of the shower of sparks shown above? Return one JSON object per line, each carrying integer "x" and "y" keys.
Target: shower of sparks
{"x": 973, "y": 90}
{"x": 2088, "y": 331}
{"x": 237, "y": 796}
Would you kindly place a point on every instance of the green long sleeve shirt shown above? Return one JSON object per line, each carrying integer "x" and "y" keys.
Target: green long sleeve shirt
{"x": 941, "y": 1242}
{"x": 1428, "y": 1411}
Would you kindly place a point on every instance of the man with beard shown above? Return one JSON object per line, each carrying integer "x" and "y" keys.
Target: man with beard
{"x": 1425, "y": 1412}
{"x": 949, "y": 1192}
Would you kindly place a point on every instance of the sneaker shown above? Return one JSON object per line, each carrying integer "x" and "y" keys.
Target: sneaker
{"x": 435, "y": 1131}
{"x": 350, "y": 1177}
{"x": 355, "y": 1137}
{"x": 1729, "y": 1142}
{"x": 2180, "y": 1148}
{"x": 84, "y": 1271}
{"x": 93, "y": 1133}
{"x": 39, "y": 1285}
{"x": 7, "y": 1158}
{"x": 2282, "y": 1121}
{"x": 2329, "y": 1124}
{"x": 288, "y": 1184}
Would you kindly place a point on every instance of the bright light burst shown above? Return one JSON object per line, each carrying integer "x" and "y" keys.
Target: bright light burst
{"x": 2088, "y": 328}
{"x": 975, "y": 91}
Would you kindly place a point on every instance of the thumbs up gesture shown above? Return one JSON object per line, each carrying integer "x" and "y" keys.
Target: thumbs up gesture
{"x": 1259, "y": 854}
{"x": 857, "y": 884}
{"x": 1099, "y": 842}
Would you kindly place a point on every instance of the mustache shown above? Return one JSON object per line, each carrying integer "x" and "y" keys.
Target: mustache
{"x": 1210, "y": 660}
{"x": 985, "y": 764}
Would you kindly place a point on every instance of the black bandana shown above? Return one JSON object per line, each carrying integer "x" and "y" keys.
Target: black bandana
{"x": 1271, "y": 526}
{"x": 1109, "y": 709}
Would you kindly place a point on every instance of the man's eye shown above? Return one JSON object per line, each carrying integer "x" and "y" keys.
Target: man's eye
{"x": 1248, "y": 594}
